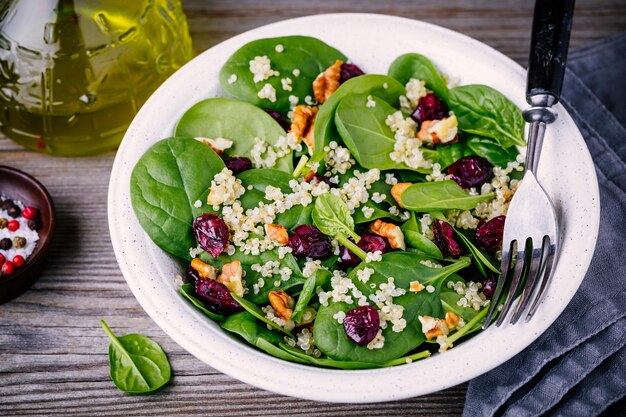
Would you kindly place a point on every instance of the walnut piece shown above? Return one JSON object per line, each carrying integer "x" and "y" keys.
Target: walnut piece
{"x": 278, "y": 233}
{"x": 282, "y": 303}
{"x": 303, "y": 124}
{"x": 231, "y": 275}
{"x": 219, "y": 145}
{"x": 392, "y": 232}
{"x": 398, "y": 189}
{"x": 416, "y": 286}
{"x": 204, "y": 270}
{"x": 327, "y": 82}
{"x": 452, "y": 319}
{"x": 439, "y": 132}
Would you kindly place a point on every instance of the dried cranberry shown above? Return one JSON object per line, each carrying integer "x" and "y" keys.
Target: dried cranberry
{"x": 216, "y": 297}
{"x": 348, "y": 71}
{"x": 279, "y": 118}
{"x": 192, "y": 275}
{"x": 489, "y": 286}
{"x": 444, "y": 239}
{"x": 430, "y": 107}
{"x": 212, "y": 233}
{"x": 471, "y": 171}
{"x": 361, "y": 324}
{"x": 370, "y": 242}
{"x": 307, "y": 240}
{"x": 238, "y": 164}
{"x": 489, "y": 234}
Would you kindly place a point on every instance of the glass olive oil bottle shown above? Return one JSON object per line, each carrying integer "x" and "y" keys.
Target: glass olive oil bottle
{"x": 73, "y": 73}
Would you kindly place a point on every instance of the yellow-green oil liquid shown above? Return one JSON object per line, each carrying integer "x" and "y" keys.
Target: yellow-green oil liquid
{"x": 73, "y": 73}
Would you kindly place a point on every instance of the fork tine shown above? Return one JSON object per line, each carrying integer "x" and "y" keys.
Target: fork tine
{"x": 545, "y": 279}
{"x": 520, "y": 263}
{"x": 505, "y": 267}
{"x": 536, "y": 268}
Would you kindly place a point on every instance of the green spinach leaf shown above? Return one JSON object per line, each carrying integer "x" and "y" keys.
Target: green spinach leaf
{"x": 187, "y": 291}
{"x": 308, "y": 290}
{"x": 490, "y": 150}
{"x": 440, "y": 195}
{"x": 482, "y": 261}
{"x": 233, "y": 120}
{"x": 332, "y": 216}
{"x": 417, "y": 66}
{"x": 379, "y": 213}
{"x": 371, "y": 84}
{"x": 164, "y": 186}
{"x": 256, "y": 311}
{"x": 484, "y": 111}
{"x": 449, "y": 301}
{"x": 295, "y": 216}
{"x": 404, "y": 267}
{"x": 138, "y": 364}
{"x": 246, "y": 325}
{"x": 414, "y": 237}
{"x": 309, "y": 56}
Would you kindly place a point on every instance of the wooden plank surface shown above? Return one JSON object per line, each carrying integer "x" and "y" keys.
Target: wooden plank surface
{"x": 52, "y": 351}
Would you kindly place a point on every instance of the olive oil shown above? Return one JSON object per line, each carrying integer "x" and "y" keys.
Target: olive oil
{"x": 73, "y": 73}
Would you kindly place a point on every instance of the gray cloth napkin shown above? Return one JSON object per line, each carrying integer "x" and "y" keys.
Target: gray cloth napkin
{"x": 578, "y": 366}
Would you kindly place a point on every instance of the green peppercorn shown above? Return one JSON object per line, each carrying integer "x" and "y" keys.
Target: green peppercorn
{"x": 3, "y": 223}
{"x": 19, "y": 242}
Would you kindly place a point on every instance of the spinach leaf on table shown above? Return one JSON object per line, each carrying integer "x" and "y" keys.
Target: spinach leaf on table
{"x": 138, "y": 364}
{"x": 404, "y": 267}
{"x": 164, "y": 186}
{"x": 309, "y": 55}
{"x": 440, "y": 195}
{"x": 484, "y": 111}
{"x": 188, "y": 291}
{"x": 417, "y": 66}
{"x": 233, "y": 120}
{"x": 371, "y": 84}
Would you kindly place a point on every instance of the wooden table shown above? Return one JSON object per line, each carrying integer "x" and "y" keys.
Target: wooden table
{"x": 53, "y": 357}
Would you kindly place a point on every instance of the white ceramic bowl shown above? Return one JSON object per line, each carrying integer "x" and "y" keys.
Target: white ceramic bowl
{"x": 372, "y": 42}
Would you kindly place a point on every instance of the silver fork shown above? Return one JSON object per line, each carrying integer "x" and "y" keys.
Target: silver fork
{"x": 530, "y": 242}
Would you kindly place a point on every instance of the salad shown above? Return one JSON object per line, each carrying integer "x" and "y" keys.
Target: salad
{"x": 331, "y": 217}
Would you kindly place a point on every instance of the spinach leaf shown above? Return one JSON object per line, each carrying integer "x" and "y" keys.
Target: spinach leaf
{"x": 483, "y": 111}
{"x": 308, "y": 55}
{"x": 449, "y": 154}
{"x": 379, "y": 213}
{"x": 245, "y": 325}
{"x": 372, "y": 84}
{"x": 481, "y": 260}
{"x": 187, "y": 291}
{"x": 259, "y": 179}
{"x": 308, "y": 290}
{"x": 404, "y": 267}
{"x": 364, "y": 131}
{"x": 332, "y": 216}
{"x": 417, "y": 66}
{"x": 256, "y": 311}
{"x": 234, "y": 120}
{"x": 491, "y": 150}
{"x": 277, "y": 352}
{"x": 164, "y": 185}
{"x": 327, "y": 362}
{"x": 138, "y": 364}
{"x": 440, "y": 195}
{"x": 288, "y": 261}
{"x": 414, "y": 237}
{"x": 295, "y": 216}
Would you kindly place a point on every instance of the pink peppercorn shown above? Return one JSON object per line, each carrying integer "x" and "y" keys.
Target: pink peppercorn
{"x": 29, "y": 213}
{"x": 18, "y": 260}
{"x": 13, "y": 225}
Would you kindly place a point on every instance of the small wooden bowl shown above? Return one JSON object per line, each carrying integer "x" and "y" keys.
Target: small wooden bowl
{"x": 18, "y": 185}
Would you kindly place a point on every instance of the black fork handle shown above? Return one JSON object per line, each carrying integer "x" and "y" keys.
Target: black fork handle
{"x": 552, "y": 25}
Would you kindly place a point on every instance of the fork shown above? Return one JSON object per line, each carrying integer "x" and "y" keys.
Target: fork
{"x": 530, "y": 241}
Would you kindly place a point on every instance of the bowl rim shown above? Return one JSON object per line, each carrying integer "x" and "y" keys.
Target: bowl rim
{"x": 41, "y": 249}
{"x": 245, "y": 367}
